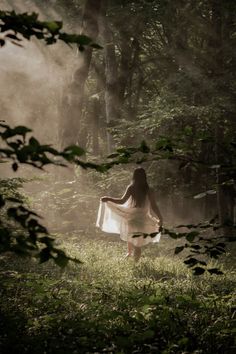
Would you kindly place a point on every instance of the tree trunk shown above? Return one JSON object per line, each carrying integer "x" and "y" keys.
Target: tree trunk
{"x": 71, "y": 128}
{"x": 95, "y": 114}
{"x": 125, "y": 61}
{"x": 225, "y": 197}
{"x": 111, "y": 81}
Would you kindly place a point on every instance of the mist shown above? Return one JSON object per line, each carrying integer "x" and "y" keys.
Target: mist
{"x": 34, "y": 78}
{"x": 34, "y": 83}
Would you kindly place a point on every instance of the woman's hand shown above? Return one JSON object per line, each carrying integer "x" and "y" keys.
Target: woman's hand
{"x": 104, "y": 199}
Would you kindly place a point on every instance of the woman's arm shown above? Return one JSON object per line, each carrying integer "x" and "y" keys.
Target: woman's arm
{"x": 121, "y": 200}
{"x": 154, "y": 206}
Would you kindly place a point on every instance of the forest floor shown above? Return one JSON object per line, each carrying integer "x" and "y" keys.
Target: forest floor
{"x": 109, "y": 304}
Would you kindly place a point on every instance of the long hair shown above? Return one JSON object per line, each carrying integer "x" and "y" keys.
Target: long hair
{"x": 139, "y": 186}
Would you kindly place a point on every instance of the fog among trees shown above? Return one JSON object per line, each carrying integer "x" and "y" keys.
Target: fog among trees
{"x": 146, "y": 83}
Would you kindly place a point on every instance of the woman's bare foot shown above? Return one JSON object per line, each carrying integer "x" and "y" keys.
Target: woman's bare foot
{"x": 128, "y": 255}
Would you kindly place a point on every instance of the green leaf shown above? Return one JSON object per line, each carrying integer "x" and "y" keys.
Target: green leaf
{"x": 173, "y": 235}
{"x": 200, "y": 195}
{"x": 196, "y": 247}
{"x": 215, "y": 166}
{"x": 53, "y": 26}
{"x": 191, "y": 236}
{"x": 19, "y": 130}
{"x": 45, "y": 255}
{"x": 179, "y": 249}
{"x": 113, "y": 155}
{"x": 211, "y": 191}
{"x": 215, "y": 253}
{"x": 22, "y": 155}
{"x": 96, "y": 46}
{"x": 202, "y": 263}
{"x": 61, "y": 259}
{"x": 13, "y": 36}
{"x": 34, "y": 142}
{"x": 191, "y": 261}
{"x": 75, "y": 38}
{"x": 47, "y": 240}
{"x": 74, "y": 150}
{"x": 198, "y": 271}
{"x": 215, "y": 271}
{"x": 50, "y": 40}
{"x": 83, "y": 39}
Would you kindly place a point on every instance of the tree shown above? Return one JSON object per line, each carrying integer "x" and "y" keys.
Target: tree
{"x": 111, "y": 79}
{"x": 73, "y": 129}
{"x": 24, "y": 234}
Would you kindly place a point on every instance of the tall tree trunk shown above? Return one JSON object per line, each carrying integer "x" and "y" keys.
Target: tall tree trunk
{"x": 111, "y": 80}
{"x": 95, "y": 114}
{"x": 71, "y": 129}
{"x": 215, "y": 43}
{"x": 225, "y": 199}
{"x": 125, "y": 61}
{"x": 133, "y": 85}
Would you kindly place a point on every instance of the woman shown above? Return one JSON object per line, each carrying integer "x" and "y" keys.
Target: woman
{"x": 134, "y": 216}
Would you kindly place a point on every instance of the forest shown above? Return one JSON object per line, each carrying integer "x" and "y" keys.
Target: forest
{"x": 89, "y": 91}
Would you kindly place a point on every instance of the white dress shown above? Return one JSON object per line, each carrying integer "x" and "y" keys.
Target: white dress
{"x": 129, "y": 221}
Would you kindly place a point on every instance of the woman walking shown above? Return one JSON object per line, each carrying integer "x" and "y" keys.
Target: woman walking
{"x": 135, "y": 216}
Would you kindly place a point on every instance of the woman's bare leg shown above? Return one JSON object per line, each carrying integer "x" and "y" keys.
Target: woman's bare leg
{"x": 137, "y": 253}
{"x": 130, "y": 248}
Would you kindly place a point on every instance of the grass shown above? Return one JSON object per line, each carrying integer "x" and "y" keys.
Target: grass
{"x": 109, "y": 304}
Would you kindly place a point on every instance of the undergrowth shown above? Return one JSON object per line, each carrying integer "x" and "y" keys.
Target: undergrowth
{"x": 109, "y": 304}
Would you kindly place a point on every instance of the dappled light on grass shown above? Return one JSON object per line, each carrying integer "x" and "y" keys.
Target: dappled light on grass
{"x": 109, "y": 257}
{"x": 113, "y": 304}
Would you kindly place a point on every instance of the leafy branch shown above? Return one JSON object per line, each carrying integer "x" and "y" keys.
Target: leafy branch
{"x": 200, "y": 246}
{"x": 22, "y": 233}
{"x": 15, "y": 26}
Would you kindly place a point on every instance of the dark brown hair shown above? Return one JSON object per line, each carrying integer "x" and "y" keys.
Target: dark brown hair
{"x": 139, "y": 187}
